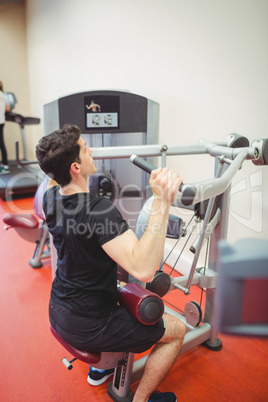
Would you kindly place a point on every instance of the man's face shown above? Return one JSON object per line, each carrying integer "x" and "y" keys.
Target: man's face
{"x": 87, "y": 165}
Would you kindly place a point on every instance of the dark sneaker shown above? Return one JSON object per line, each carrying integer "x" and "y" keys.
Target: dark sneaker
{"x": 162, "y": 397}
{"x": 98, "y": 377}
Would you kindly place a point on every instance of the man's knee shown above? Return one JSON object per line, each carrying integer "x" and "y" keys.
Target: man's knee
{"x": 180, "y": 328}
{"x": 175, "y": 328}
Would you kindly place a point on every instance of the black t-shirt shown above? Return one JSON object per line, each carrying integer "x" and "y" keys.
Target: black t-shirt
{"x": 86, "y": 277}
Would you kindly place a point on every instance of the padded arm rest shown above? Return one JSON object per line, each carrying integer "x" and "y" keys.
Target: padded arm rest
{"x": 146, "y": 306}
{"x": 25, "y": 221}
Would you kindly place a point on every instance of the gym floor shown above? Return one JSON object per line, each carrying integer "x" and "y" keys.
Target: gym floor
{"x": 31, "y": 368}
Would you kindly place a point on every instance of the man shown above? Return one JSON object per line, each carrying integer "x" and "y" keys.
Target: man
{"x": 91, "y": 238}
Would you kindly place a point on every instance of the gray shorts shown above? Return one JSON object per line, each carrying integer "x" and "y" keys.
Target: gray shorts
{"x": 118, "y": 332}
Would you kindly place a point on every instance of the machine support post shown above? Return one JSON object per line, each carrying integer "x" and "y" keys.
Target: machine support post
{"x": 118, "y": 390}
{"x": 202, "y": 234}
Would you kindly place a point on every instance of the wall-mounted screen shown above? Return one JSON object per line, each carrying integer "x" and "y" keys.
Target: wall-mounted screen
{"x": 102, "y": 111}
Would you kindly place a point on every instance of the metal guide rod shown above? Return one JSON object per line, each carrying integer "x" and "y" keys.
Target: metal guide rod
{"x": 202, "y": 235}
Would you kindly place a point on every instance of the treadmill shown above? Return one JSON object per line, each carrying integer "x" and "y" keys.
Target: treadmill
{"x": 23, "y": 178}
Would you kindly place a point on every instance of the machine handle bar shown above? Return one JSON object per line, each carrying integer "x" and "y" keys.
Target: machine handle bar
{"x": 188, "y": 192}
{"x": 193, "y": 193}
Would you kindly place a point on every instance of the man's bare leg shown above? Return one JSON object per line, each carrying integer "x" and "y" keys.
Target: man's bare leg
{"x": 161, "y": 358}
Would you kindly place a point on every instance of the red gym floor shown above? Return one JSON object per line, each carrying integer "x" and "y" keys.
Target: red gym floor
{"x": 31, "y": 368}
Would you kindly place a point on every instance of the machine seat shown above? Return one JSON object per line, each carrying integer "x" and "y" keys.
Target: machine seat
{"x": 25, "y": 221}
{"x": 87, "y": 357}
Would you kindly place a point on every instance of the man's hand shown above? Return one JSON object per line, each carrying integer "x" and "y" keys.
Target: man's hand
{"x": 165, "y": 184}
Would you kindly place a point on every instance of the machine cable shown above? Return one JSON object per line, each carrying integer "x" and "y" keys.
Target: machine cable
{"x": 190, "y": 234}
{"x": 175, "y": 245}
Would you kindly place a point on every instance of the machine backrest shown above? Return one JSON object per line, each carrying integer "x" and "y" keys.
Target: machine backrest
{"x": 38, "y": 198}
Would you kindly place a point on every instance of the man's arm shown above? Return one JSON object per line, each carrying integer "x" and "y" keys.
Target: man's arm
{"x": 141, "y": 258}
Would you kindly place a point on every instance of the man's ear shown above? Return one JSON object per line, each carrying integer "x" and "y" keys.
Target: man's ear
{"x": 75, "y": 168}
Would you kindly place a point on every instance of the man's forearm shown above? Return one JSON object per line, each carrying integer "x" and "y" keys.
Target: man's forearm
{"x": 149, "y": 249}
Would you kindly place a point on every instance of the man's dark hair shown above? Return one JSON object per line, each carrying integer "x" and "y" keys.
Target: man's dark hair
{"x": 56, "y": 152}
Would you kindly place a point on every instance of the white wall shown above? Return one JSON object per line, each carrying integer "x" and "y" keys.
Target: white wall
{"x": 204, "y": 61}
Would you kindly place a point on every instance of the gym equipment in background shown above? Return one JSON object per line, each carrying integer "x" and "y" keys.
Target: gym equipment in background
{"x": 32, "y": 227}
{"x": 109, "y": 119}
{"x": 23, "y": 178}
{"x": 242, "y": 287}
